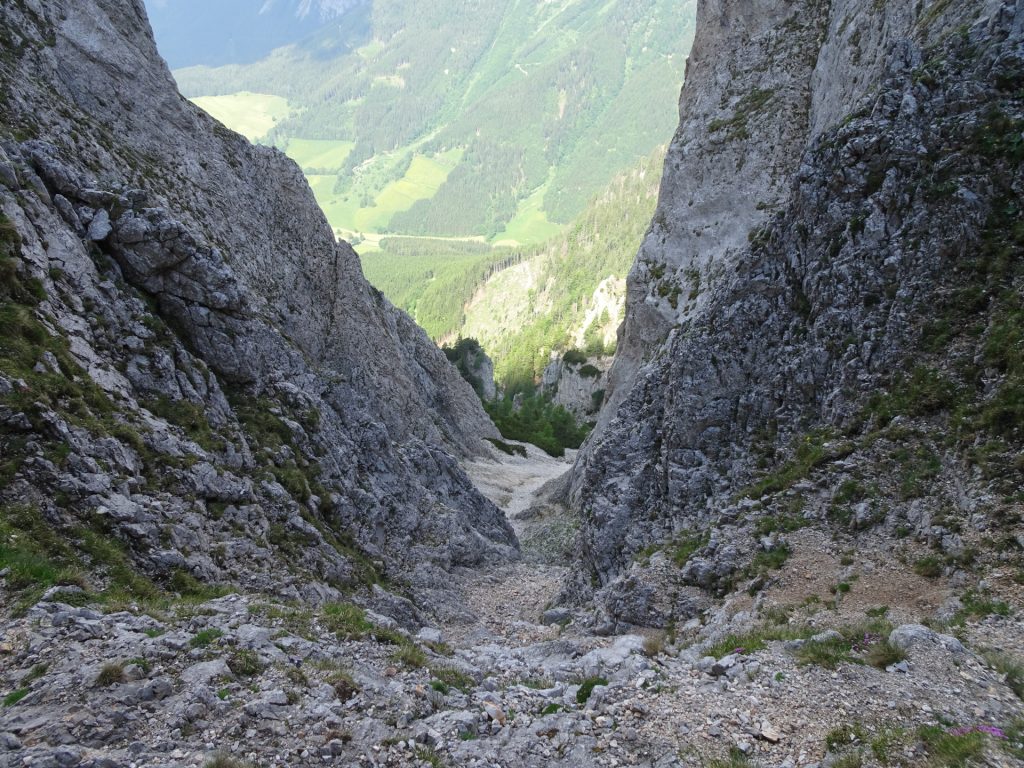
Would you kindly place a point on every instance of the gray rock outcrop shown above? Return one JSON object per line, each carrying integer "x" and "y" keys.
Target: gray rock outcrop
{"x": 191, "y": 358}
{"x": 578, "y": 386}
{"x": 840, "y": 173}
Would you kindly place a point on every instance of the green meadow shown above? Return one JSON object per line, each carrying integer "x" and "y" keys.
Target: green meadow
{"x": 253, "y": 115}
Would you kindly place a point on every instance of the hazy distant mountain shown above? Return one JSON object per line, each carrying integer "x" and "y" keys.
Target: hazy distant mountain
{"x": 194, "y": 32}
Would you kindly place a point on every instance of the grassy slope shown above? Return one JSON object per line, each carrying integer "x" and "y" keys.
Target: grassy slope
{"x": 253, "y": 115}
{"x": 314, "y": 155}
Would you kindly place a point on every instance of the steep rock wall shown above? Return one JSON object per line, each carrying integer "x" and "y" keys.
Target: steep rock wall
{"x": 233, "y": 398}
{"x": 893, "y": 171}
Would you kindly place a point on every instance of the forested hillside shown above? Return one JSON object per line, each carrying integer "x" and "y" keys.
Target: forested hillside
{"x": 464, "y": 119}
{"x": 522, "y": 303}
{"x": 569, "y": 292}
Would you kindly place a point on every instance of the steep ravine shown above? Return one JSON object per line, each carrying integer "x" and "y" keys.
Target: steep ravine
{"x": 238, "y": 518}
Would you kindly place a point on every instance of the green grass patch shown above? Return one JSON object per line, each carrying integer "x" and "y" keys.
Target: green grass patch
{"x": 681, "y": 550}
{"x": 253, "y": 115}
{"x": 952, "y": 749}
{"x": 811, "y": 451}
{"x": 346, "y": 620}
{"x": 864, "y": 643}
{"x": 1011, "y": 667}
{"x": 757, "y": 639}
{"x": 205, "y": 637}
{"x": 734, "y": 759}
{"x": 587, "y": 687}
{"x": 410, "y": 656}
{"x": 929, "y": 566}
{"x": 319, "y": 156}
{"x": 245, "y": 663}
{"x": 978, "y": 605}
{"x": 14, "y": 697}
{"x": 530, "y": 225}
{"x": 452, "y": 678}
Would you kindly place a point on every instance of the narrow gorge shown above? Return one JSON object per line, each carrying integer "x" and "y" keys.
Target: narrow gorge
{"x": 251, "y": 515}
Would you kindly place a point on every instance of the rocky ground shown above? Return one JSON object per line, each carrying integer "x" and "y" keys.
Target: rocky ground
{"x": 808, "y": 673}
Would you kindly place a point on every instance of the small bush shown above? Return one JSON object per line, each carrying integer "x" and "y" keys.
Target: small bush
{"x": 110, "y": 674}
{"x": 245, "y": 663}
{"x": 574, "y": 357}
{"x": 345, "y": 687}
{"x": 654, "y": 645}
{"x": 928, "y": 566}
{"x": 587, "y": 687}
{"x": 772, "y": 559}
{"x": 510, "y": 448}
{"x": 884, "y": 654}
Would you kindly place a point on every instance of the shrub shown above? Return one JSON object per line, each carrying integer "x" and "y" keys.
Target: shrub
{"x": 884, "y": 654}
{"x": 574, "y": 357}
{"x": 654, "y": 645}
{"x": 772, "y": 559}
{"x": 245, "y": 663}
{"x": 928, "y": 566}
{"x": 110, "y": 674}
{"x": 539, "y": 421}
{"x": 510, "y": 448}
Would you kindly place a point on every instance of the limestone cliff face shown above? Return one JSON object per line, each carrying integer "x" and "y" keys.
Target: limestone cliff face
{"x": 843, "y": 175}
{"x": 189, "y": 281}
{"x": 578, "y": 386}
{"x": 744, "y": 123}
